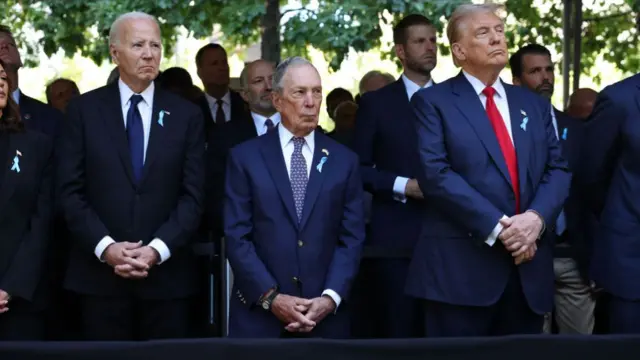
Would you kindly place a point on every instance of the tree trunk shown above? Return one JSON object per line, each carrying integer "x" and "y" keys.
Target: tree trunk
{"x": 270, "y": 47}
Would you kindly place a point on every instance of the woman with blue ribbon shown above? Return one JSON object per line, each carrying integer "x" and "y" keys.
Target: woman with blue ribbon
{"x": 25, "y": 220}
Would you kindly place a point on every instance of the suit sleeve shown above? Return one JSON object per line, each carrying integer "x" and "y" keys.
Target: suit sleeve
{"x": 25, "y": 272}
{"x": 553, "y": 188}
{"x": 346, "y": 257}
{"x": 84, "y": 224}
{"x": 184, "y": 220}
{"x": 600, "y": 149}
{"x": 375, "y": 181}
{"x": 250, "y": 274}
{"x": 448, "y": 191}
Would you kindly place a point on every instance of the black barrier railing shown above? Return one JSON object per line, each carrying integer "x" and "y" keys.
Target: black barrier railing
{"x": 538, "y": 347}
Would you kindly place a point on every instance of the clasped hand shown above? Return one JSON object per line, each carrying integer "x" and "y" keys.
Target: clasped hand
{"x": 130, "y": 260}
{"x": 301, "y": 315}
{"x": 520, "y": 234}
{"x": 4, "y": 301}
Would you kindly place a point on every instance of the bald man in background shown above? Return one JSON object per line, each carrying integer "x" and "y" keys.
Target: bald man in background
{"x": 581, "y": 103}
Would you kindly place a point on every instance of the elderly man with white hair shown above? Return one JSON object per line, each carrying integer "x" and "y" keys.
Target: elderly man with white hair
{"x": 132, "y": 175}
{"x": 494, "y": 183}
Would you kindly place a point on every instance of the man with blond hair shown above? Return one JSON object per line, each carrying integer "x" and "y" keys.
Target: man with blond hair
{"x": 493, "y": 181}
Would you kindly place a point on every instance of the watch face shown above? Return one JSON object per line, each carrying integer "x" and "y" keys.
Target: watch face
{"x": 265, "y": 305}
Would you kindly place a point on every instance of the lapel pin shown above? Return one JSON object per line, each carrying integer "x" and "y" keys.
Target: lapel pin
{"x": 564, "y": 134}
{"x": 161, "y": 117}
{"x": 16, "y": 162}
{"x": 523, "y": 125}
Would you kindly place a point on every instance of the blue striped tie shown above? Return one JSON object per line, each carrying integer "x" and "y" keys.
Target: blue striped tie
{"x": 135, "y": 134}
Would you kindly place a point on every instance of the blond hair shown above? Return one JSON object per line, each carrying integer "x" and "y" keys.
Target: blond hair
{"x": 459, "y": 17}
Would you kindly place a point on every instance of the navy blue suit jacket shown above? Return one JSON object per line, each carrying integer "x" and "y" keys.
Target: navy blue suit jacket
{"x": 40, "y": 117}
{"x": 570, "y": 131}
{"x": 25, "y": 215}
{"x": 611, "y": 174}
{"x": 468, "y": 189}
{"x": 100, "y": 198}
{"x": 266, "y": 246}
{"x": 386, "y": 142}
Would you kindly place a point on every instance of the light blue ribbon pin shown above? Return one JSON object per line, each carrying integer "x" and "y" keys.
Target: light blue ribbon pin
{"x": 523, "y": 125}
{"x": 16, "y": 164}
{"x": 564, "y": 134}
{"x": 322, "y": 161}
{"x": 161, "y": 117}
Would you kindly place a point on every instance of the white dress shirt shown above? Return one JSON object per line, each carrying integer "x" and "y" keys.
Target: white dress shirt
{"x": 502, "y": 103}
{"x": 400, "y": 184}
{"x": 16, "y": 96}
{"x": 226, "y": 106}
{"x": 260, "y": 122}
{"x": 145, "y": 108}
{"x": 286, "y": 142}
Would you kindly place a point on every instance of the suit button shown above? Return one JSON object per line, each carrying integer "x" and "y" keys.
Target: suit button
{"x": 470, "y": 235}
{"x": 300, "y": 243}
{"x": 295, "y": 279}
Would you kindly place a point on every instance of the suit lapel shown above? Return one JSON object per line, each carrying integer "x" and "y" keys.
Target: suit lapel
{"x": 274, "y": 159}
{"x": 114, "y": 123}
{"x": 316, "y": 177}
{"x": 11, "y": 177}
{"x": 157, "y": 132}
{"x": 521, "y": 140}
{"x": 469, "y": 104}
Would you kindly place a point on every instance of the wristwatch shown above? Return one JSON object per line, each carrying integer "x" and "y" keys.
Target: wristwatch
{"x": 268, "y": 300}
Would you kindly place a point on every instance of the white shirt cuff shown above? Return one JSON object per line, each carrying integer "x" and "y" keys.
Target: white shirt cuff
{"x": 102, "y": 246}
{"x": 334, "y": 296}
{"x": 161, "y": 248}
{"x": 496, "y": 231}
{"x": 399, "y": 187}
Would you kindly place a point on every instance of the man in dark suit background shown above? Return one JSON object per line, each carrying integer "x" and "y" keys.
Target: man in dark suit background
{"x": 532, "y": 68}
{"x": 294, "y": 220}
{"x": 610, "y": 177}
{"x": 493, "y": 178}
{"x": 132, "y": 176}
{"x": 220, "y": 104}
{"x": 386, "y": 142}
{"x": 261, "y": 116}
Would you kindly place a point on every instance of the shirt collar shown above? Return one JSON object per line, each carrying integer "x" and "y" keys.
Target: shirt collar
{"x": 286, "y": 136}
{"x": 259, "y": 120}
{"x": 126, "y": 93}
{"x": 478, "y": 86}
{"x": 412, "y": 87}
{"x": 16, "y": 96}
{"x": 225, "y": 99}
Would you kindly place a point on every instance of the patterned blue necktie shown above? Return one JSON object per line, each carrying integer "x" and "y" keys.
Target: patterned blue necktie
{"x": 135, "y": 134}
{"x": 299, "y": 177}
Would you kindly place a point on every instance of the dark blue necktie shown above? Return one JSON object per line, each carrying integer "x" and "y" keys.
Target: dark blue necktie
{"x": 135, "y": 134}
{"x": 299, "y": 177}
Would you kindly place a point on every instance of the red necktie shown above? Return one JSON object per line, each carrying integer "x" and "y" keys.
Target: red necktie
{"x": 508, "y": 151}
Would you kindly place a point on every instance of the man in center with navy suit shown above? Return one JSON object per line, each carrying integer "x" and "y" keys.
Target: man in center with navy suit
{"x": 386, "y": 143}
{"x": 293, "y": 220}
{"x": 493, "y": 179}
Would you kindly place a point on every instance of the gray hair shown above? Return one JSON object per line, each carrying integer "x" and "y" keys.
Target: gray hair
{"x": 244, "y": 75}
{"x": 462, "y": 12}
{"x": 372, "y": 74}
{"x": 281, "y": 70}
{"x": 114, "y": 32}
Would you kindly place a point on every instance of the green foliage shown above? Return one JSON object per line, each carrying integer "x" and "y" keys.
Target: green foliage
{"x": 332, "y": 27}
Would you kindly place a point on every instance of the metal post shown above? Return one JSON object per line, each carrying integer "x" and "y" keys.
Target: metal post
{"x": 577, "y": 43}
{"x": 566, "y": 51}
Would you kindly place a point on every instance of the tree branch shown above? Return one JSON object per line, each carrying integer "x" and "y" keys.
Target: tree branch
{"x": 610, "y": 16}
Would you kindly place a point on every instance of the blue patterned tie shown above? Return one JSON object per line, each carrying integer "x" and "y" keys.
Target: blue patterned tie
{"x": 135, "y": 134}
{"x": 299, "y": 177}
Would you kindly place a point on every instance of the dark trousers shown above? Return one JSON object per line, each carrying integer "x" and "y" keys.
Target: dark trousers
{"x": 509, "y": 316}
{"x": 21, "y": 323}
{"x": 125, "y": 319}
{"x": 624, "y": 316}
